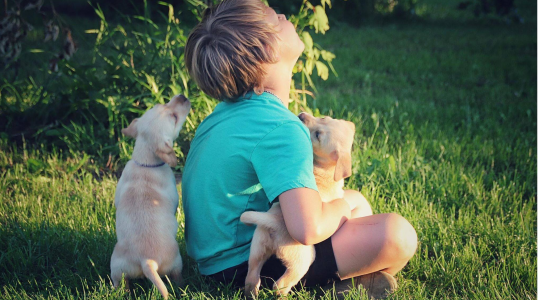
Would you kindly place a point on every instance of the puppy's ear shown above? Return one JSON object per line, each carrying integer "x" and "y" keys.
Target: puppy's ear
{"x": 351, "y": 126}
{"x": 166, "y": 153}
{"x": 343, "y": 165}
{"x": 131, "y": 130}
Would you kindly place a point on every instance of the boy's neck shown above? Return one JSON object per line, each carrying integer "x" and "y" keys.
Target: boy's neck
{"x": 278, "y": 82}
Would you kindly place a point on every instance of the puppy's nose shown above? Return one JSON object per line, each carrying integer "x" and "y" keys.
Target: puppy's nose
{"x": 301, "y": 116}
{"x": 180, "y": 98}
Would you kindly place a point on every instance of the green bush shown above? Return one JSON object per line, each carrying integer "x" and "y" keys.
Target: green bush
{"x": 128, "y": 68}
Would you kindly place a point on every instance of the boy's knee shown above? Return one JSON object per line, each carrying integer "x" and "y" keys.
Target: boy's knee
{"x": 401, "y": 237}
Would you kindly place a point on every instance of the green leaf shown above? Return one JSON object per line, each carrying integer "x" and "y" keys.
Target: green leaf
{"x": 316, "y": 53}
{"x": 152, "y": 84}
{"x": 308, "y": 42}
{"x": 323, "y": 70}
{"x": 319, "y": 20}
{"x": 309, "y": 66}
{"x": 327, "y": 56}
{"x": 149, "y": 21}
{"x": 99, "y": 12}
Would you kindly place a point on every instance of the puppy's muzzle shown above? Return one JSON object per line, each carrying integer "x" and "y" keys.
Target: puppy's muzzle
{"x": 179, "y": 103}
{"x": 181, "y": 99}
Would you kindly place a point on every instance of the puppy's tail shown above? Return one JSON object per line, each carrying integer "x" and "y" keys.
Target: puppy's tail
{"x": 263, "y": 219}
{"x": 149, "y": 267}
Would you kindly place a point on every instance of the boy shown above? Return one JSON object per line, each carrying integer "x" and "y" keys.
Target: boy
{"x": 252, "y": 151}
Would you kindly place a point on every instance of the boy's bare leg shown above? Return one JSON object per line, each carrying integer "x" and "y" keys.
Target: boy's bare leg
{"x": 381, "y": 242}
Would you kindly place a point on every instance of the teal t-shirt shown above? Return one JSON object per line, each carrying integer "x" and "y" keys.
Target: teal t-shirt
{"x": 243, "y": 156}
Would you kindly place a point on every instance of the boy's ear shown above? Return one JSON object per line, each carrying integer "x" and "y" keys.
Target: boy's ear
{"x": 131, "y": 130}
{"x": 166, "y": 152}
{"x": 343, "y": 165}
{"x": 258, "y": 90}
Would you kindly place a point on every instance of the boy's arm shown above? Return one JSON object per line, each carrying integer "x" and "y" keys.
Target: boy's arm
{"x": 308, "y": 219}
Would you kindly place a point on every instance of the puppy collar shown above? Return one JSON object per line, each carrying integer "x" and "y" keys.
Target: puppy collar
{"x": 149, "y": 165}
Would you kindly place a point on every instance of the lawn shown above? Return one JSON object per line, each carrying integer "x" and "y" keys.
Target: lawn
{"x": 446, "y": 118}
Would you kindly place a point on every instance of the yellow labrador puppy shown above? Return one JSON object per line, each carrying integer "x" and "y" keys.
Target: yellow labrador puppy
{"x": 146, "y": 199}
{"x": 332, "y": 140}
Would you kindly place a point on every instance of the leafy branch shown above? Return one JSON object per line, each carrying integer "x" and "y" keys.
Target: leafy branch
{"x": 311, "y": 17}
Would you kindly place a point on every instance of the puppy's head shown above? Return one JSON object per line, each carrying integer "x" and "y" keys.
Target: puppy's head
{"x": 332, "y": 140}
{"x": 160, "y": 126}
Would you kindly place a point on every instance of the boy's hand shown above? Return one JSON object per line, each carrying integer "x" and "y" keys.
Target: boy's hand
{"x": 308, "y": 219}
{"x": 358, "y": 203}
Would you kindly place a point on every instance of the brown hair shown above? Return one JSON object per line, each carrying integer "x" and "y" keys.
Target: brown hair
{"x": 225, "y": 53}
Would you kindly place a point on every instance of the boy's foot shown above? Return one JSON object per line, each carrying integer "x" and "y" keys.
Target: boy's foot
{"x": 378, "y": 285}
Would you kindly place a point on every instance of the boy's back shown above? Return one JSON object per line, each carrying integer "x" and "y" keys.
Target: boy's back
{"x": 240, "y": 149}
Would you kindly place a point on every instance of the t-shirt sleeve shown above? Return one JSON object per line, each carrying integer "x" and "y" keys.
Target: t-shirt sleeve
{"x": 283, "y": 160}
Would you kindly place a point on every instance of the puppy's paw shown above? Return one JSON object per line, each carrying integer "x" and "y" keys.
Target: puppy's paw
{"x": 282, "y": 290}
{"x": 251, "y": 291}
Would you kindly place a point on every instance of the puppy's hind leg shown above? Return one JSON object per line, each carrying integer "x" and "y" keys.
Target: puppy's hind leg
{"x": 285, "y": 283}
{"x": 116, "y": 279}
{"x": 296, "y": 267}
{"x": 175, "y": 273}
{"x": 117, "y": 263}
{"x": 116, "y": 276}
{"x": 259, "y": 253}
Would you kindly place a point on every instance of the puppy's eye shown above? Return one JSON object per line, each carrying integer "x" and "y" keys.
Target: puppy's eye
{"x": 175, "y": 117}
{"x": 318, "y": 133}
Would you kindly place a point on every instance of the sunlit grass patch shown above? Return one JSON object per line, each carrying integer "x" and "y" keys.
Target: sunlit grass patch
{"x": 445, "y": 115}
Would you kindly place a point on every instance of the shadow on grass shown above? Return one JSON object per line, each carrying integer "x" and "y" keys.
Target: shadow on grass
{"x": 36, "y": 256}
{"x": 47, "y": 261}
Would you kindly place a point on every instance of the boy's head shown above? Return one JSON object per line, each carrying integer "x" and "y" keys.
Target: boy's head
{"x": 227, "y": 51}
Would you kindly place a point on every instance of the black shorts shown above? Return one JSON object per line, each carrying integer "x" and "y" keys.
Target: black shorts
{"x": 322, "y": 271}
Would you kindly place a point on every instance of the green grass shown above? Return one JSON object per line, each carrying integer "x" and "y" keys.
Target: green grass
{"x": 445, "y": 112}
